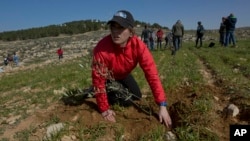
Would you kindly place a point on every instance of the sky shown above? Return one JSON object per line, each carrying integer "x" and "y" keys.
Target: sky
{"x": 25, "y": 14}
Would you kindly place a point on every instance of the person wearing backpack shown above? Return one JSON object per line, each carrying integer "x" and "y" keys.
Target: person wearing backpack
{"x": 199, "y": 34}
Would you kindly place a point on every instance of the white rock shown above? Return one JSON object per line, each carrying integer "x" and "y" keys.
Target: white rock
{"x": 216, "y": 98}
{"x": 66, "y": 138}
{"x": 233, "y": 110}
{"x": 170, "y": 136}
{"x": 54, "y": 129}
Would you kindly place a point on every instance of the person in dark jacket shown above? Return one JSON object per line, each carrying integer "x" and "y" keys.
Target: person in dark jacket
{"x": 222, "y": 31}
{"x": 199, "y": 34}
{"x": 230, "y": 28}
{"x": 145, "y": 35}
{"x": 178, "y": 32}
{"x": 114, "y": 58}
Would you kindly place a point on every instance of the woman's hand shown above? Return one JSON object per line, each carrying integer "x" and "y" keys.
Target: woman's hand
{"x": 164, "y": 117}
{"x": 109, "y": 115}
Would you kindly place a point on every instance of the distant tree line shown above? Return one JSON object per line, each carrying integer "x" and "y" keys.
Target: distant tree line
{"x": 69, "y": 28}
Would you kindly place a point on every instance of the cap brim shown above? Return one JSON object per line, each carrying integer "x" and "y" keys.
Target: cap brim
{"x": 120, "y": 21}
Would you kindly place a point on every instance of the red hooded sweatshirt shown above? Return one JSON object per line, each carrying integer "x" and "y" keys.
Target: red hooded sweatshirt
{"x": 110, "y": 61}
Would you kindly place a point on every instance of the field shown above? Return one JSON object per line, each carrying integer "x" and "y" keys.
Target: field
{"x": 199, "y": 82}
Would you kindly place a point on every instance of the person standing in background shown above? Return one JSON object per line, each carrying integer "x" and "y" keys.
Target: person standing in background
{"x": 178, "y": 32}
{"x": 230, "y": 28}
{"x": 169, "y": 40}
{"x": 5, "y": 61}
{"x": 222, "y": 31}
{"x": 152, "y": 37}
{"x": 15, "y": 59}
{"x": 145, "y": 36}
{"x": 60, "y": 53}
{"x": 159, "y": 36}
{"x": 199, "y": 34}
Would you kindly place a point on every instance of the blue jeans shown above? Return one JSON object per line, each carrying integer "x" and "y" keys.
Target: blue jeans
{"x": 16, "y": 60}
{"x": 177, "y": 43}
{"x": 230, "y": 36}
{"x": 152, "y": 45}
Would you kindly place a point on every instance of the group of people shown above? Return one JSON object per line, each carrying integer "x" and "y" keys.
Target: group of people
{"x": 117, "y": 54}
{"x": 227, "y": 28}
{"x": 150, "y": 36}
{"x": 226, "y": 31}
{"x": 172, "y": 39}
{"x": 11, "y": 59}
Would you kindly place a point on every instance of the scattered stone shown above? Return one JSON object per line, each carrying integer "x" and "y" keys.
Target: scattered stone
{"x": 12, "y": 120}
{"x": 68, "y": 138}
{"x": 216, "y": 98}
{"x": 170, "y": 136}
{"x": 60, "y": 91}
{"x": 53, "y": 129}
{"x": 1, "y": 70}
{"x": 231, "y": 110}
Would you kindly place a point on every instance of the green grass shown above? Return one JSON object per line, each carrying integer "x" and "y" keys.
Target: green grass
{"x": 231, "y": 65}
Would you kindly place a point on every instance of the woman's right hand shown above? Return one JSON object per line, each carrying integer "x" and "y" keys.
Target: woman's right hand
{"x": 109, "y": 115}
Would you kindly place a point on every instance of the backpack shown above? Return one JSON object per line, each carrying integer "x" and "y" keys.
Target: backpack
{"x": 200, "y": 29}
{"x": 211, "y": 44}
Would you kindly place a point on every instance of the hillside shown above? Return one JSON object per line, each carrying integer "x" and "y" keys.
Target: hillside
{"x": 198, "y": 91}
{"x": 44, "y": 49}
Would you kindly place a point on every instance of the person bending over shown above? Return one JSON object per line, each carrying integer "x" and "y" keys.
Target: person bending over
{"x": 114, "y": 58}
